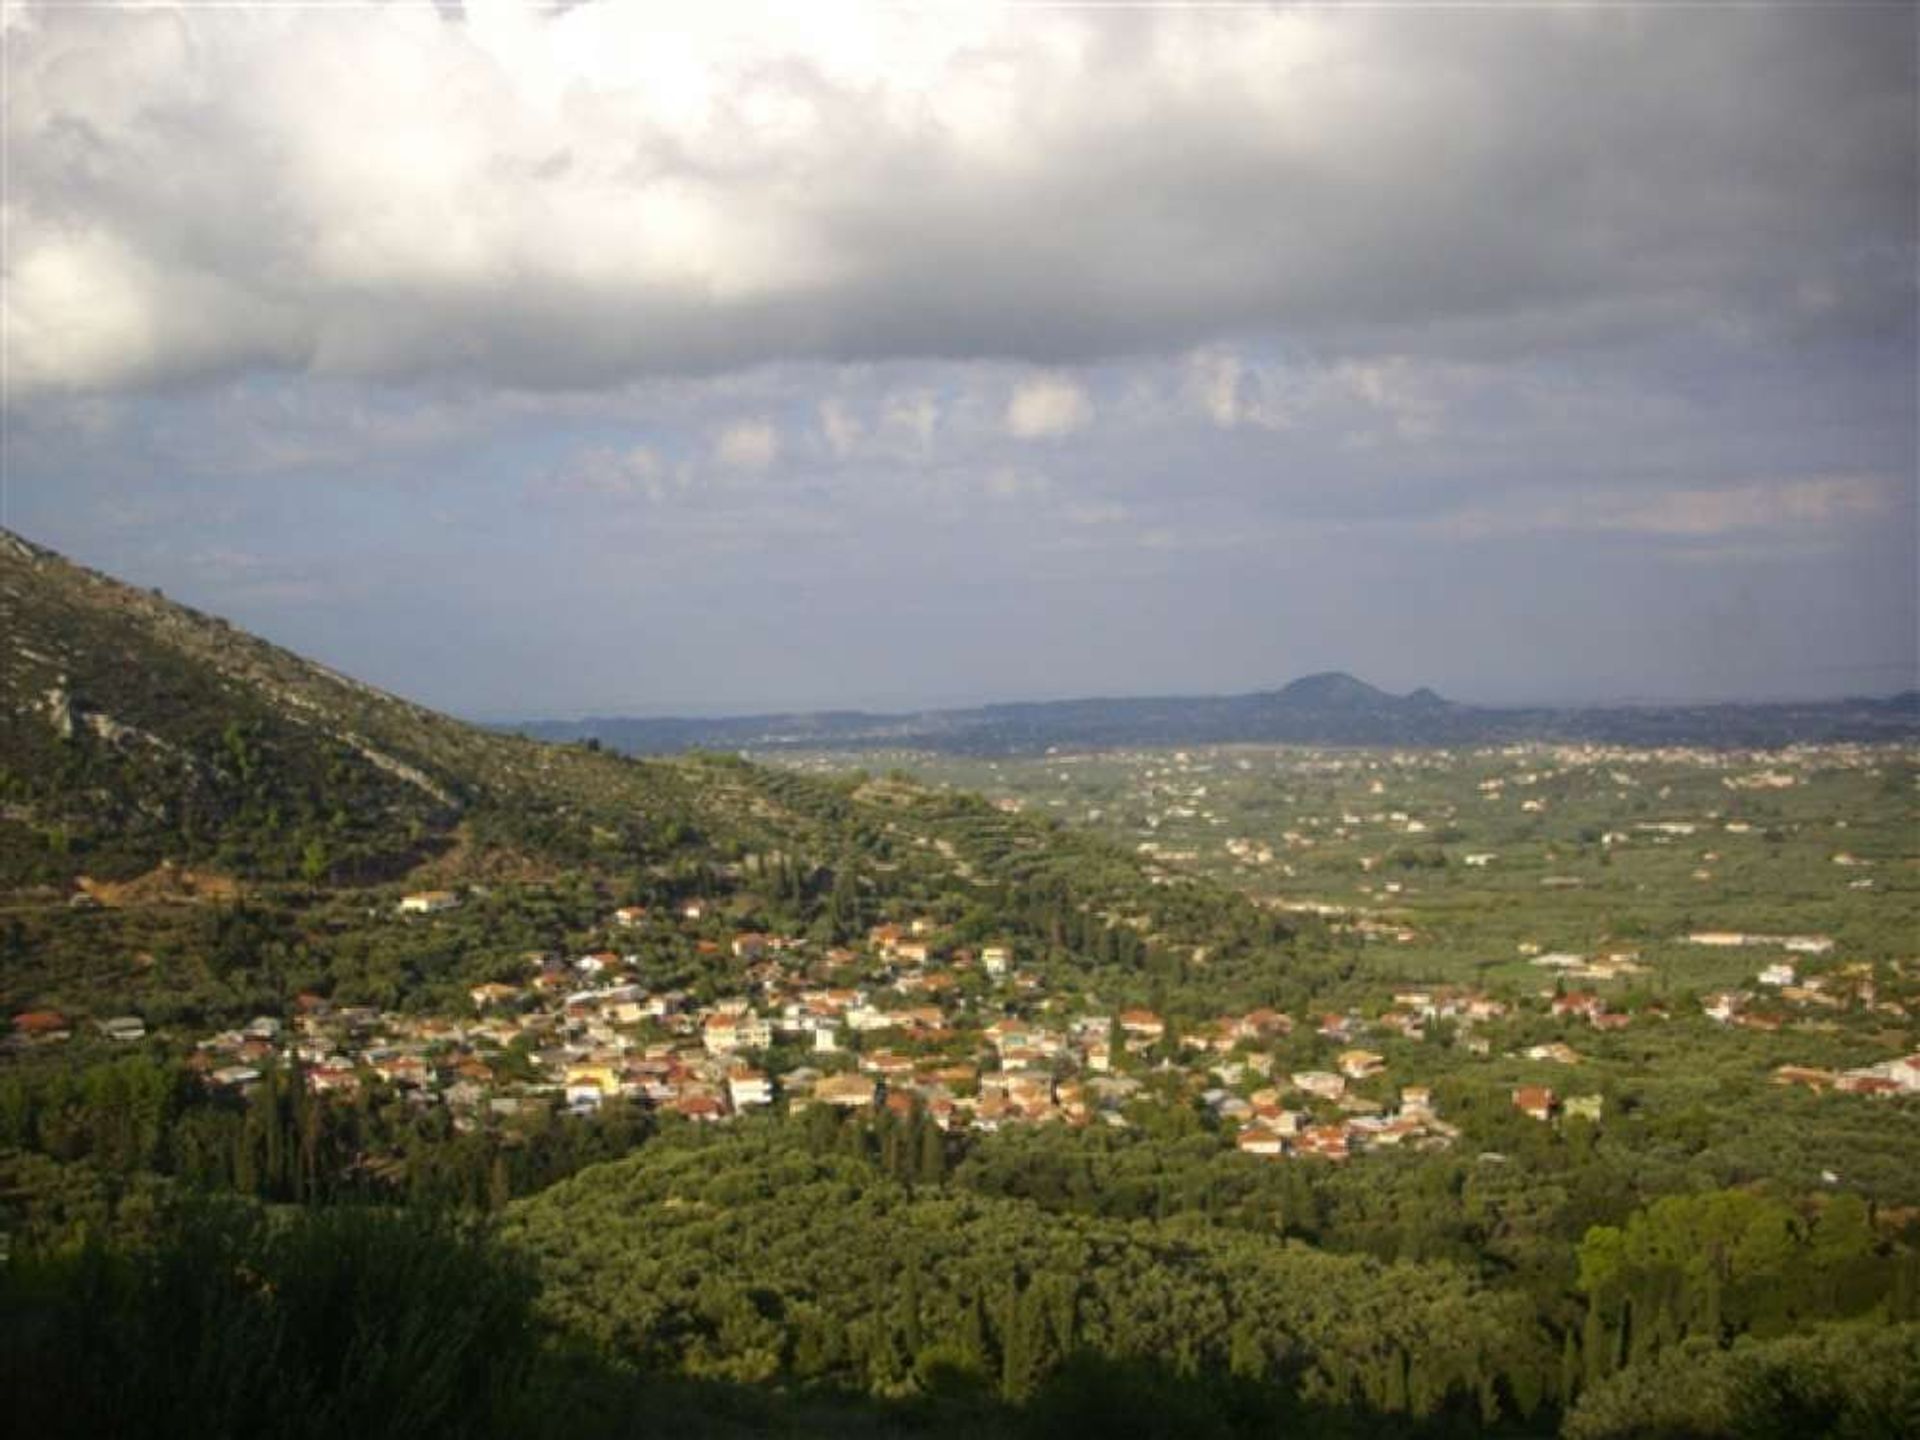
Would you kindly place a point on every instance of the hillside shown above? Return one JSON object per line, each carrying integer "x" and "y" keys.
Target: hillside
{"x": 134, "y": 730}
{"x": 151, "y": 754}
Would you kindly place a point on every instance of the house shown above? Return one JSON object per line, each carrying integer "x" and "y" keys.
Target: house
{"x": 1535, "y": 1101}
{"x": 749, "y": 946}
{"x": 1778, "y": 974}
{"x": 1856, "y": 1082}
{"x": 849, "y": 1092}
{"x": 1142, "y": 1024}
{"x": 630, "y": 916}
{"x": 707, "y": 1109}
{"x": 492, "y": 993}
{"x": 996, "y": 960}
{"x": 42, "y": 1025}
{"x": 333, "y": 1078}
{"x": 747, "y": 1086}
{"x": 1723, "y": 1006}
{"x": 1322, "y": 1083}
{"x": 1556, "y": 1051}
{"x": 428, "y": 902}
{"x": 1329, "y": 1142}
{"x": 584, "y": 1094}
{"x": 1263, "y": 1024}
{"x": 1803, "y": 1075}
{"x": 1578, "y": 1002}
{"x": 124, "y": 1028}
{"x": 1360, "y": 1064}
{"x": 1258, "y": 1140}
{"x": 724, "y": 1033}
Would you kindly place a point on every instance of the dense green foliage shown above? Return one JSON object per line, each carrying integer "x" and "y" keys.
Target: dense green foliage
{"x": 326, "y": 1323}
{"x": 1845, "y": 1382}
{"x": 750, "y": 1259}
{"x": 281, "y": 1142}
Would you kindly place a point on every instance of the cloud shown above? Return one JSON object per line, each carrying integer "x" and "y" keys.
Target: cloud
{"x": 1047, "y": 406}
{"x": 1788, "y": 506}
{"x": 913, "y": 417}
{"x": 842, "y": 430}
{"x": 1213, "y": 386}
{"x": 573, "y": 197}
{"x": 1793, "y": 510}
{"x": 610, "y": 472}
{"x": 747, "y": 445}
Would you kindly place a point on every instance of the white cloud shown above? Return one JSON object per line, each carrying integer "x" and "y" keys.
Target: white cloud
{"x": 1213, "y": 385}
{"x": 1818, "y": 501}
{"x": 611, "y": 472}
{"x": 1794, "y": 509}
{"x": 572, "y": 197}
{"x": 1010, "y": 482}
{"x": 747, "y": 445}
{"x": 913, "y": 417}
{"x": 842, "y": 430}
{"x": 1047, "y": 406}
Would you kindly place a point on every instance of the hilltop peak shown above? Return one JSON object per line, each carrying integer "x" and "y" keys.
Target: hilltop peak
{"x": 1334, "y": 689}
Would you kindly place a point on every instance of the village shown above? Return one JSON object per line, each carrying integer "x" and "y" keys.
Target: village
{"x": 909, "y": 1023}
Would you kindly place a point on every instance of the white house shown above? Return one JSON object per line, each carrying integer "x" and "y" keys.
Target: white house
{"x": 748, "y": 1087}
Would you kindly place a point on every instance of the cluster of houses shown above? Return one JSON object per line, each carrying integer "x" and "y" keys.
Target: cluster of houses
{"x": 888, "y": 1024}
{"x": 911, "y": 1021}
{"x": 1783, "y": 996}
{"x": 1899, "y": 1076}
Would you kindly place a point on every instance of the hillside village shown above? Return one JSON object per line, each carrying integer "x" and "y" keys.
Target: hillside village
{"x": 914, "y": 1024}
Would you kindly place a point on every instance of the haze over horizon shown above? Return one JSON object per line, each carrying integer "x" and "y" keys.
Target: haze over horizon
{"x": 604, "y": 361}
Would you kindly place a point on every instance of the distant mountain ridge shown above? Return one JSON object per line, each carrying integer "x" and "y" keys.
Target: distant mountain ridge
{"x": 1328, "y": 708}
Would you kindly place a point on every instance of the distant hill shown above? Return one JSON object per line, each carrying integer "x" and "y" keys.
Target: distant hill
{"x": 1332, "y": 708}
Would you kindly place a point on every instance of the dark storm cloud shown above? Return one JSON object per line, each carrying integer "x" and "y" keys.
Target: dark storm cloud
{"x": 579, "y": 198}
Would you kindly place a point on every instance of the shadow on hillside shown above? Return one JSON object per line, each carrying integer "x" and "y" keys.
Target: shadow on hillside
{"x": 374, "y": 1324}
{"x": 1095, "y": 1397}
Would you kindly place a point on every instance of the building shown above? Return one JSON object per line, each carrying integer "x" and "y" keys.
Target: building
{"x": 1534, "y": 1101}
{"x": 849, "y": 1092}
{"x": 747, "y": 1087}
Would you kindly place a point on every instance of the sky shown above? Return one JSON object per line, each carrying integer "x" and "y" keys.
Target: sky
{"x": 622, "y": 358}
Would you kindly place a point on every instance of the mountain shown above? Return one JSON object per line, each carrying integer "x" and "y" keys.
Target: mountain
{"x": 136, "y": 731}
{"x": 1332, "y": 708}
